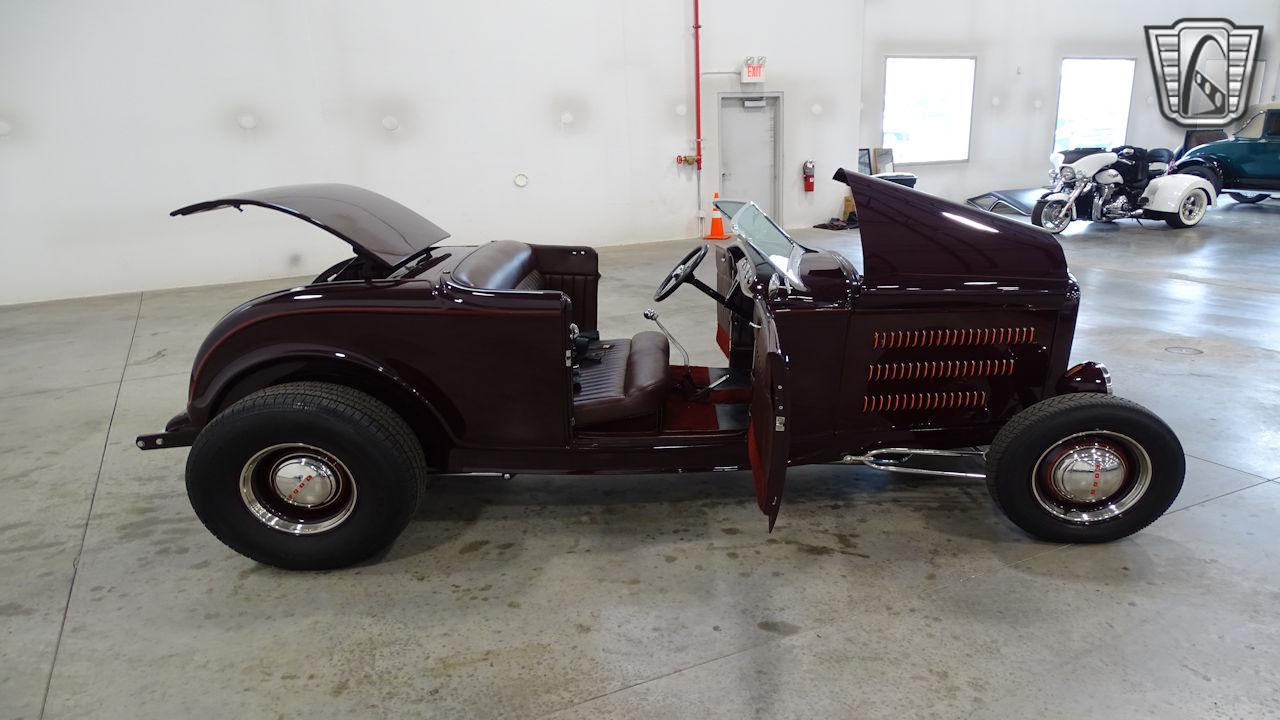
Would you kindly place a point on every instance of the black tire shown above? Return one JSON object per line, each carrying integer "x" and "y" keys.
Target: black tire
{"x": 1247, "y": 198}
{"x": 1019, "y": 483}
{"x": 355, "y": 432}
{"x": 1036, "y": 212}
{"x": 1206, "y": 172}
{"x": 1174, "y": 220}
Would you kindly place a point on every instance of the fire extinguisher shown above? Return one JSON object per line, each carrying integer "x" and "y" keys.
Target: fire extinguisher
{"x": 807, "y": 169}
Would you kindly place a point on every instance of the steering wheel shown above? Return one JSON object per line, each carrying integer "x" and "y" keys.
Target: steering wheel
{"x": 681, "y": 273}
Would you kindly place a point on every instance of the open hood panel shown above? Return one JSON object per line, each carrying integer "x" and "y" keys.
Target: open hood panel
{"x": 911, "y": 239}
{"x": 379, "y": 228}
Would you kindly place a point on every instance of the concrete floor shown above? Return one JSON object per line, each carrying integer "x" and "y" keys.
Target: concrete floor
{"x": 658, "y": 596}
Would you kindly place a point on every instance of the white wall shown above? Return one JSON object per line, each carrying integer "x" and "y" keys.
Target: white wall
{"x": 1019, "y": 46}
{"x": 122, "y": 111}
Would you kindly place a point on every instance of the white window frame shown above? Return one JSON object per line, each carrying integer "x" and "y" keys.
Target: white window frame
{"x": 884, "y": 96}
{"x": 1057, "y": 102}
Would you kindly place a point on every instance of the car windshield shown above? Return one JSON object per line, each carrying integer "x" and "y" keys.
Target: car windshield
{"x": 760, "y": 233}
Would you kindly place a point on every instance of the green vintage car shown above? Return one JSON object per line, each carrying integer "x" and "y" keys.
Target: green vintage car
{"x": 1246, "y": 165}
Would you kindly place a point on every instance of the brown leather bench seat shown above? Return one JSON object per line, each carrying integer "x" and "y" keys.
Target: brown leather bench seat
{"x": 630, "y": 381}
{"x": 500, "y": 265}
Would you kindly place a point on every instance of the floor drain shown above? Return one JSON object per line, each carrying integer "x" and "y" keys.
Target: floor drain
{"x": 1180, "y": 350}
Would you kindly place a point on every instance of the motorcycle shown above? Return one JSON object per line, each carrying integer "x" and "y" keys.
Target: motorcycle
{"x": 1124, "y": 182}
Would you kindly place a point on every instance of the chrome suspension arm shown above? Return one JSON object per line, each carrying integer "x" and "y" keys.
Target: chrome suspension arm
{"x": 892, "y": 459}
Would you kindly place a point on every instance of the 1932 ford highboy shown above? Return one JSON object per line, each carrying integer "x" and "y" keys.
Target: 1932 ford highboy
{"x": 316, "y": 413}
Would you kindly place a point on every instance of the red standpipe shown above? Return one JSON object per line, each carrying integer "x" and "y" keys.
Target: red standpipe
{"x": 697, "y": 89}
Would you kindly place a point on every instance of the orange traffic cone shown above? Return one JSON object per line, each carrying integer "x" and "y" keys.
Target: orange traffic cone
{"x": 717, "y": 223}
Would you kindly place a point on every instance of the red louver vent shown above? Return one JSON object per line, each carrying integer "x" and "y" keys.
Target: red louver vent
{"x": 924, "y": 401}
{"x": 940, "y": 369}
{"x": 953, "y": 338}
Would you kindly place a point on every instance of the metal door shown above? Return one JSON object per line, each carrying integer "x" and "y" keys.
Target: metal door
{"x": 749, "y": 130}
{"x": 768, "y": 440}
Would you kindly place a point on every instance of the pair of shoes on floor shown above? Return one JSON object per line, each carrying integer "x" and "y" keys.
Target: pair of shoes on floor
{"x": 838, "y": 224}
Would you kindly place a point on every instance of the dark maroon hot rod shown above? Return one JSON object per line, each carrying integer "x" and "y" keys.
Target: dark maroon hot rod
{"x": 316, "y": 414}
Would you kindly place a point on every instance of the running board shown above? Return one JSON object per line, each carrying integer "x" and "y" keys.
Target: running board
{"x": 892, "y": 459}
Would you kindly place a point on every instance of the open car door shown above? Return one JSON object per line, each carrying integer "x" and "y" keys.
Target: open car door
{"x": 768, "y": 438}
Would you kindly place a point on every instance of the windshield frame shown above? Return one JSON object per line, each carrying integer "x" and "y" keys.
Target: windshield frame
{"x": 1260, "y": 116}
{"x": 787, "y": 267}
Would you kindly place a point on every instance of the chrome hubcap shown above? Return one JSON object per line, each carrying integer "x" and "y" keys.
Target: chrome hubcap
{"x": 1192, "y": 207}
{"x": 305, "y": 481}
{"x": 297, "y": 488}
{"x": 1090, "y": 477}
{"x": 1088, "y": 474}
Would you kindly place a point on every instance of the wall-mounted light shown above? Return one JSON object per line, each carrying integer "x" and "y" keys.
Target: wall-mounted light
{"x": 521, "y": 180}
{"x": 247, "y": 121}
{"x": 390, "y": 123}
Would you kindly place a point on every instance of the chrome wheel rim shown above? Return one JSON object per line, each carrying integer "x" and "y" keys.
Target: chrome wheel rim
{"x": 297, "y": 488}
{"x": 1054, "y": 216}
{"x": 1091, "y": 477}
{"x": 1192, "y": 207}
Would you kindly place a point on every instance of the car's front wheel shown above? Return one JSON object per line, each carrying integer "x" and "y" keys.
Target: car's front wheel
{"x": 1052, "y": 215}
{"x": 1085, "y": 468}
{"x": 306, "y": 476}
{"x": 1205, "y": 172}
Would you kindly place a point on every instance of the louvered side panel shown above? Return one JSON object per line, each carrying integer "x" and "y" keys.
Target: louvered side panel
{"x": 898, "y": 402}
{"x": 962, "y": 337}
{"x": 941, "y": 369}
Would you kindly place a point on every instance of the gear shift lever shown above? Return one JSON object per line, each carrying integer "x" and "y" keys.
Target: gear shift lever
{"x": 650, "y": 314}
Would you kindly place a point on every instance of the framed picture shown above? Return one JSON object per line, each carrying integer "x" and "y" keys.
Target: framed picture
{"x": 872, "y": 161}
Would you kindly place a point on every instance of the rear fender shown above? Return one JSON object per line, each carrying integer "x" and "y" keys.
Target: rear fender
{"x": 1165, "y": 194}
{"x": 427, "y": 410}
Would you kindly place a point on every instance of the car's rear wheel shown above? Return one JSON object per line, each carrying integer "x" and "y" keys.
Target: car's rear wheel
{"x": 306, "y": 476}
{"x": 1085, "y": 468}
{"x": 1052, "y": 215}
{"x": 1191, "y": 209}
{"x": 1248, "y": 198}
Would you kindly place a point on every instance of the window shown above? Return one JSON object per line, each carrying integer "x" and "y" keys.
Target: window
{"x": 928, "y": 103}
{"x": 1093, "y": 103}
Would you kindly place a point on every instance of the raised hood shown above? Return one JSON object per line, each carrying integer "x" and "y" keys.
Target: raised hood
{"x": 911, "y": 239}
{"x": 377, "y": 227}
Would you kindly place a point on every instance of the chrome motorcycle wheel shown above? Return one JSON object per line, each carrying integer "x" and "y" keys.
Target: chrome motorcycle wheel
{"x": 1053, "y": 215}
{"x": 1193, "y": 208}
{"x": 1190, "y": 211}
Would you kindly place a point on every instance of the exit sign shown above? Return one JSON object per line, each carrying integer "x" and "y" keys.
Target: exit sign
{"x": 753, "y": 70}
